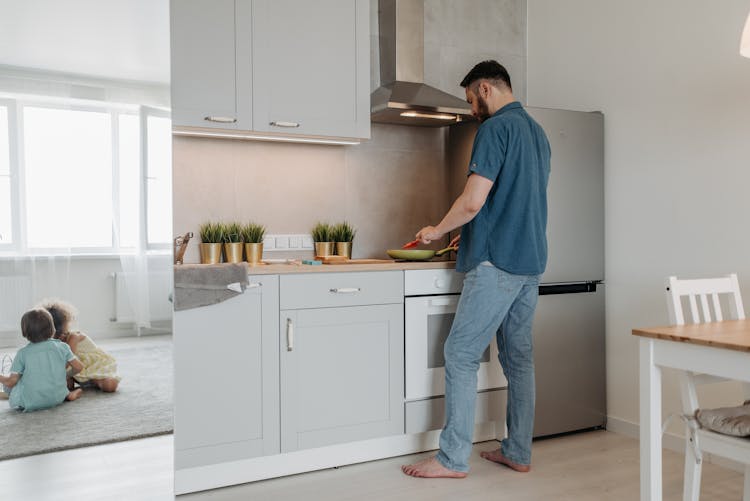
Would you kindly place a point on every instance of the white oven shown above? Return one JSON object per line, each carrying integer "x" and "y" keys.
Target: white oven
{"x": 429, "y": 307}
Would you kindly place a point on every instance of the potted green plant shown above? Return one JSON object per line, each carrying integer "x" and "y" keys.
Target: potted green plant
{"x": 343, "y": 235}
{"x": 252, "y": 235}
{"x": 211, "y": 240}
{"x": 321, "y": 235}
{"x": 232, "y": 239}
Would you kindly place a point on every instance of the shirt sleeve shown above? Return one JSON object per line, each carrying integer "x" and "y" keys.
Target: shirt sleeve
{"x": 68, "y": 352}
{"x": 19, "y": 363}
{"x": 488, "y": 153}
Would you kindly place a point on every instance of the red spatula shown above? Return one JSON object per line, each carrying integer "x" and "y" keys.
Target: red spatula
{"x": 411, "y": 244}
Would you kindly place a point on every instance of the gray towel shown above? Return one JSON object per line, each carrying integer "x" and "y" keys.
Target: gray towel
{"x": 204, "y": 284}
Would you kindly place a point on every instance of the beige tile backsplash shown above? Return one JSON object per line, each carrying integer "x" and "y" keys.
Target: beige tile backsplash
{"x": 387, "y": 187}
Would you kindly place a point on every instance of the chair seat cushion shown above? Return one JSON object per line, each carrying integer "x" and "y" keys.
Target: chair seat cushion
{"x": 734, "y": 421}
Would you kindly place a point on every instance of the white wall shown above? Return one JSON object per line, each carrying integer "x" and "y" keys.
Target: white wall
{"x": 86, "y": 283}
{"x": 676, "y": 100}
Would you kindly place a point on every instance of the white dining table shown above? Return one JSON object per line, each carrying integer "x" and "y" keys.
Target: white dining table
{"x": 717, "y": 348}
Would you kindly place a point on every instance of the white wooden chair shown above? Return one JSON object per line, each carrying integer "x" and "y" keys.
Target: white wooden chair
{"x": 698, "y": 441}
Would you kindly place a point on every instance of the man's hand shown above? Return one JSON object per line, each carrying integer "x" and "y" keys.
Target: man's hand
{"x": 428, "y": 234}
{"x": 454, "y": 241}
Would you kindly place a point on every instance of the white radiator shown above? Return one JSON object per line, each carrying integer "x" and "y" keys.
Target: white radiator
{"x": 15, "y": 299}
{"x": 159, "y": 290}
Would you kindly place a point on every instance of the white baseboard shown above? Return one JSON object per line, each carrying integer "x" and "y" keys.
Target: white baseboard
{"x": 670, "y": 441}
{"x": 201, "y": 478}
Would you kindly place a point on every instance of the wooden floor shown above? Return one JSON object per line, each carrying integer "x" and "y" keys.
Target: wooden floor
{"x": 591, "y": 466}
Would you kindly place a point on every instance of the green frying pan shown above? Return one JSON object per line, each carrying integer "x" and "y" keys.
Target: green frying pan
{"x": 417, "y": 254}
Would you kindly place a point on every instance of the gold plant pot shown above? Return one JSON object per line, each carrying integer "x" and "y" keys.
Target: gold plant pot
{"x": 233, "y": 252}
{"x": 210, "y": 253}
{"x": 254, "y": 252}
{"x": 344, "y": 249}
{"x": 324, "y": 248}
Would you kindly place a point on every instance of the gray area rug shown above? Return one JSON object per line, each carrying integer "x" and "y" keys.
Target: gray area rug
{"x": 141, "y": 407}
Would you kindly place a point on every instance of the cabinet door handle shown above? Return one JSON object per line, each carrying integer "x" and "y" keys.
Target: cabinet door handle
{"x": 345, "y": 290}
{"x": 222, "y": 120}
{"x": 289, "y": 335}
{"x": 254, "y": 285}
{"x": 284, "y": 124}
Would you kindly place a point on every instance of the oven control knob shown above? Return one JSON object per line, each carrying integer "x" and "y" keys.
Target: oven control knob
{"x": 439, "y": 283}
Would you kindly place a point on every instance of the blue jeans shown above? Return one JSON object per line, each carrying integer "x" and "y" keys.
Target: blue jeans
{"x": 493, "y": 302}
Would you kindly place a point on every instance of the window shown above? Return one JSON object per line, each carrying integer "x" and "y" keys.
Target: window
{"x": 90, "y": 178}
{"x": 6, "y": 231}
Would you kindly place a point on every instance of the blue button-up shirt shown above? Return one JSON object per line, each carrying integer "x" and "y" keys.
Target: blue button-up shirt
{"x": 512, "y": 150}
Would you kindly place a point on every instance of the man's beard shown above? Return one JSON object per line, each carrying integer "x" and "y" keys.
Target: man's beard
{"x": 483, "y": 111}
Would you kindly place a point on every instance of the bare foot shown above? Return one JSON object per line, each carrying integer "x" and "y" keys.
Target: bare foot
{"x": 430, "y": 468}
{"x": 498, "y": 457}
{"x": 74, "y": 395}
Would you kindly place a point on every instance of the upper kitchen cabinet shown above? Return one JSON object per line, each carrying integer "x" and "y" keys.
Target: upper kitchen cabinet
{"x": 260, "y": 68}
{"x": 311, "y": 67}
{"x": 211, "y": 66}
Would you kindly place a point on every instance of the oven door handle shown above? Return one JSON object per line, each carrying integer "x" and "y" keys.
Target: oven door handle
{"x": 443, "y": 301}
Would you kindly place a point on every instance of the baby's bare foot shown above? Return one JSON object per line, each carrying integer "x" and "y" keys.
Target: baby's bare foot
{"x": 497, "y": 457}
{"x": 74, "y": 395}
{"x": 430, "y": 468}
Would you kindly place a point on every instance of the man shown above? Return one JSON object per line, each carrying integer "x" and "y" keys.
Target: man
{"x": 503, "y": 211}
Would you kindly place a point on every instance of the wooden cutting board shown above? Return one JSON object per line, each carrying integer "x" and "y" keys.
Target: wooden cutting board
{"x": 345, "y": 260}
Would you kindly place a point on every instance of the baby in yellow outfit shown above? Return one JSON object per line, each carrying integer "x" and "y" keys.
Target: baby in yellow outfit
{"x": 99, "y": 367}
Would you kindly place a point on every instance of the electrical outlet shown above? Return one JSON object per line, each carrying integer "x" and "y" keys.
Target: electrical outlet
{"x": 282, "y": 242}
{"x": 296, "y": 242}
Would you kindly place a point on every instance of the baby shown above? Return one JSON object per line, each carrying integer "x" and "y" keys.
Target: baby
{"x": 37, "y": 375}
{"x": 99, "y": 367}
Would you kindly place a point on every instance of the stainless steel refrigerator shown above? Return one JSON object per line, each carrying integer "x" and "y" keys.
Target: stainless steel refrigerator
{"x": 569, "y": 323}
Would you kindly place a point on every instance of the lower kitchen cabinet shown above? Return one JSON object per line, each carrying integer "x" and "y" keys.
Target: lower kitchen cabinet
{"x": 227, "y": 369}
{"x": 342, "y": 374}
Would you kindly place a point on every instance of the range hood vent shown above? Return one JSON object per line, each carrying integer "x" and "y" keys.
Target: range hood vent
{"x": 404, "y": 98}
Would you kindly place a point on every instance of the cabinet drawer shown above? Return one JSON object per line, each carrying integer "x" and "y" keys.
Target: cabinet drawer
{"x": 427, "y": 415}
{"x": 323, "y": 290}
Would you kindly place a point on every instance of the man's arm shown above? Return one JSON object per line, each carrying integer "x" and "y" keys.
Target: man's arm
{"x": 463, "y": 210}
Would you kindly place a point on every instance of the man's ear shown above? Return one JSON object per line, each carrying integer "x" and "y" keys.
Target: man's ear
{"x": 484, "y": 89}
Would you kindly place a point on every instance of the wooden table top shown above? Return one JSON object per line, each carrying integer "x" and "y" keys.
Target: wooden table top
{"x": 729, "y": 334}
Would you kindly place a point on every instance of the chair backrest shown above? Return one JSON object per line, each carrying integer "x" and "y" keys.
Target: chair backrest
{"x": 698, "y": 292}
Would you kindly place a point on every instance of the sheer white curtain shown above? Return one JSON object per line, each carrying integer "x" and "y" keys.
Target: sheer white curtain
{"x": 24, "y": 282}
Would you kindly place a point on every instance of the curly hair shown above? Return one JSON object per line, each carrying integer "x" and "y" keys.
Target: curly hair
{"x": 62, "y": 314}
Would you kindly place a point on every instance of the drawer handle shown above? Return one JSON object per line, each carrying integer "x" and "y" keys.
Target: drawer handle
{"x": 254, "y": 285}
{"x": 289, "y": 335}
{"x": 284, "y": 124}
{"x": 222, "y": 120}
{"x": 345, "y": 290}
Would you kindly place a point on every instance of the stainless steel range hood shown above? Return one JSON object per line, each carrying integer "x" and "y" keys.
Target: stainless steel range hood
{"x": 403, "y": 97}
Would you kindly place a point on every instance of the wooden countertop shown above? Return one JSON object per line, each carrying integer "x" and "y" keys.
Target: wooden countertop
{"x": 729, "y": 334}
{"x": 281, "y": 269}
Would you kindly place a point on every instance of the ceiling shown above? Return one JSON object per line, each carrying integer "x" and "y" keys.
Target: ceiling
{"x": 125, "y": 39}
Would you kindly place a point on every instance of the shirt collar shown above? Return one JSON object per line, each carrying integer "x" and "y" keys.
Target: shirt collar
{"x": 510, "y": 106}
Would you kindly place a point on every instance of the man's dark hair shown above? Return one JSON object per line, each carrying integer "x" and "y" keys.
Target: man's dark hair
{"x": 37, "y": 325}
{"x": 487, "y": 70}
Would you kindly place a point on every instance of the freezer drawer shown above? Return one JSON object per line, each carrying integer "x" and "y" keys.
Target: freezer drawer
{"x": 569, "y": 359}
